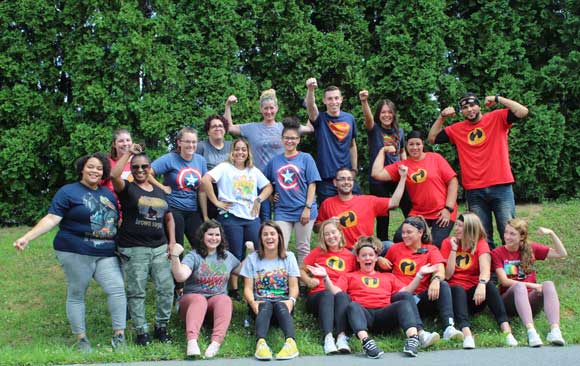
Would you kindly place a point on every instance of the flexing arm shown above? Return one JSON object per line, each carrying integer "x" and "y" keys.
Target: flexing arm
{"x": 180, "y": 271}
{"x": 367, "y": 113}
{"x": 45, "y": 224}
{"x": 311, "y": 107}
{"x": 233, "y": 129}
{"x": 398, "y": 193}
{"x": 378, "y": 171}
{"x": 559, "y": 251}
{"x": 438, "y": 124}
{"x": 517, "y": 109}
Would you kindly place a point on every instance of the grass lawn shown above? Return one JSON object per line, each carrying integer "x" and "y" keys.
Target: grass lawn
{"x": 35, "y": 329}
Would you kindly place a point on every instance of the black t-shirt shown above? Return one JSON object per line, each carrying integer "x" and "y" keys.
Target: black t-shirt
{"x": 143, "y": 217}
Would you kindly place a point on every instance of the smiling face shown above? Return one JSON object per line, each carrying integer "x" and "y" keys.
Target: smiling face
{"x": 411, "y": 235}
{"x": 512, "y": 237}
{"x": 459, "y": 225}
{"x": 212, "y": 239}
{"x": 415, "y": 148}
{"x": 92, "y": 173}
{"x": 269, "y": 239}
{"x": 344, "y": 182}
{"x": 122, "y": 143}
{"x": 386, "y": 116}
{"x": 187, "y": 145}
{"x": 471, "y": 111}
{"x": 367, "y": 258}
{"x": 332, "y": 100}
{"x": 140, "y": 169}
{"x": 216, "y": 130}
{"x": 240, "y": 154}
{"x": 332, "y": 237}
{"x": 269, "y": 108}
{"x": 290, "y": 139}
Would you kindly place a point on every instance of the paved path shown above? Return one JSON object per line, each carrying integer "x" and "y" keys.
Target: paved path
{"x": 547, "y": 355}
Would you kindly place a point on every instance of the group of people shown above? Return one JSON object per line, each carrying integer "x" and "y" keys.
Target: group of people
{"x": 119, "y": 225}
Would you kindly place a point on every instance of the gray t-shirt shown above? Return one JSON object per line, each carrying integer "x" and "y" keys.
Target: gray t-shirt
{"x": 213, "y": 156}
{"x": 265, "y": 141}
{"x": 270, "y": 276}
{"x": 210, "y": 275}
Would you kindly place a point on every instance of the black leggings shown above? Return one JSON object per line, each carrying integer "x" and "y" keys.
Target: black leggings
{"x": 444, "y": 304}
{"x": 281, "y": 315}
{"x": 381, "y": 319}
{"x": 463, "y": 304}
{"x": 330, "y": 309}
{"x": 186, "y": 222}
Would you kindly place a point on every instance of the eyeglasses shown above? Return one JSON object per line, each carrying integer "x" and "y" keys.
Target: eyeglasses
{"x": 290, "y": 138}
{"x": 137, "y": 166}
{"x": 345, "y": 179}
{"x": 188, "y": 141}
{"x": 216, "y": 126}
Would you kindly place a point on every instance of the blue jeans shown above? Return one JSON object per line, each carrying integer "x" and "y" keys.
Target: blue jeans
{"x": 238, "y": 231}
{"x": 498, "y": 199}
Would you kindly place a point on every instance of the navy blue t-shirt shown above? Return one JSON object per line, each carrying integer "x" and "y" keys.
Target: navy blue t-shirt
{"x": 333, "y": 139}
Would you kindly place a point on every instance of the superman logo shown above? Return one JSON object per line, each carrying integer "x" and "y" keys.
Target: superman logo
{"x": 463, "y": 260}
{"x": 371, "y": 282}
{"x": 408, "y": 267}
{"x": 348, "y": 219}
{"x": 335, "y": 263}
{"x": 476, "y": 136}
{"x": 339, "y": 129}
{"x": 419, "y": 176}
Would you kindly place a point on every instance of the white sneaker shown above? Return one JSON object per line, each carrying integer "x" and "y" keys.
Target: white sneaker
{"x": 468, "y": 342}
{"x": 428, "y": 339}
{"x": 452, "y": 334}
{"x": 555, "y": 337}
{"x": 510, "y": 340}
{"x": 193, "y": 348}
{"x": 534, "y": 339}
{"x": 329, "y": 346}
{"x": 212, "y": 349}
{"x": 342, "y": 344}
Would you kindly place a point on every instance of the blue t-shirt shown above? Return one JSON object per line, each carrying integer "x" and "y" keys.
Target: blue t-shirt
{"x": 184, "y": 178}
{"x": 333, "y": 139}
{"x": 265, "y": 141}
{"x": 290, "y": 178}
{"x": 380, "y": 137}
{"x": 89, "y": 220}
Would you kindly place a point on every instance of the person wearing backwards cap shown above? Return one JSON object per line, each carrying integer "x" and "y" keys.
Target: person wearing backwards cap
{"x": 482, "y": 146}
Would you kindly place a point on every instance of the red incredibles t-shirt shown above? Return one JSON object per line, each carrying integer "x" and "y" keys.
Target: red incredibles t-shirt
{"x": 483, "y": 150}
{"x": 466, "y": 272}
{"x": 510, "y": 262}
{"x": 407, "y": 262}
{"x": 371, "y": 291}
{"x": 335, "y": 263}
{"x": 426, "y": 183}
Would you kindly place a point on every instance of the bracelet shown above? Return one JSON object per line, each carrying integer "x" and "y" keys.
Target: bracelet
{"x": 259, "y": 199}
{"x": 420, "y": 275}
{"x": 436, "y": 277}
{"x": 293, "y": 299}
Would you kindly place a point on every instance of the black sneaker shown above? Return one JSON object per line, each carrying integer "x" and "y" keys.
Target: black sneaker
{"x": 412, "y": 346}
{"x": 235, "y": 295}
{"x": 371, "y": 349}
{"x": 160, "y": 333}
{"x": 143, "y": 339}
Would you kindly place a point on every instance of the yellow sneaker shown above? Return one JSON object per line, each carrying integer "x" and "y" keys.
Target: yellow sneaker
{"x": 262, "y": 350}
{"x": 288, "y": 351}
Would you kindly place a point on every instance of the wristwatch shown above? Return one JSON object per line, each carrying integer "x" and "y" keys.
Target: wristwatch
{"x": 308, "y": 205}
{"x": 482, "y": 281}
{"x": 497, "y": 98}
{"x": 259, "y": 199}
{"x": 450, "y": 209}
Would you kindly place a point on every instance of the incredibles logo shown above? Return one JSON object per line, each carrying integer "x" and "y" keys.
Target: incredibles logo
{"x": 463, "y": 260}
{"x": 371, "y": 282}
{"x": 419, "y": 176}
{"x": 339, "y": 129}
{"x": 408, "y": 267}
{"x": 348, "y": 219}
{"x": 335, "y": 263}
{"x": 476, "y": 136}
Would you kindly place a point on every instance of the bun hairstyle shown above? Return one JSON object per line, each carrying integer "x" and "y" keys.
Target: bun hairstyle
{"x": 290, "y": 123}
{"x": 267, "y": 96}
{"x": 420, "y": 224}
{"x": 370, "y": 242}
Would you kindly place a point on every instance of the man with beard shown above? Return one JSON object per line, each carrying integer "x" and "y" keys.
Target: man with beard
{"x": 482, "y": 146}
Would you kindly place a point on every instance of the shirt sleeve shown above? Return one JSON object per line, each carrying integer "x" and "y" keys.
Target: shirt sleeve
{"x": 540, "y": 251}
{"x": 442, "y": 137}
{"x": 262, "y": 180}
{"x": 60, "y": 203}
{"x": 248, "y": 267}
{"x": 446, "y": 248}
{"x": 447, "y": 172}
{"x": 496, "y": 261}
{"x": 311, "y": 171}
{"x": 393, "y": 170}
{"x": 435, "y": 255}
{"x": 217, "y": 172}
{"x": 161, "y": 165}
{"x": 293, "y": 270}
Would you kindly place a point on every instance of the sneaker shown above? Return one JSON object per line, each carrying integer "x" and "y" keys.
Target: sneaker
{"x": 160, "y": 333}
{"x": 342, "y": 344}
{"x": 263, "y": 352}
{"x": 510, "y": 340}
{"x": 143, "y": 339}
{"x": 193, "y": 349}
{"x": 534, "y": 339}
{"x": 84, "y": 346}
{"x": 468, "y": 342}
{"x": 371, "y": 349}
{"x": 118, "y": 341}
{"x": 212, "y": 349}
{"x": 412, "y": 346}
{"x": 289, "y": 350}
{"x": 428, "y": 339}
{"x": 555, "y": 337}
{"x": 452, "y": 334}
{"x": 235, "y": 295}
{"x": 329, "y": 346}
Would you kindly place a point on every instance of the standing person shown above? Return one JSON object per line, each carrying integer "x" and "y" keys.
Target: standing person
{"x": 294, "y": 176}
{"x": 431, "y": 182}
{"x": 206, "y": 271}
{"x": 356, "y": 213}
{"x": 270, "y": 289}
{"x": 87, "y": 216}
{"x": 121, "y": 143}
{"x": 215, "y": 150}
{"x": 514, "y": 265}
{"x": 182, "y": 171}
{"x": 328, "y": 307}
{"x": 238, "y": 182}
{"x": 482, "y": 145}
{"x": 335, "y": 133}
{"x": 382, "y": 134}
{"x": 264, "y": 137}
{"x": 468, "y": 272}
{"x": 144, "y": 243}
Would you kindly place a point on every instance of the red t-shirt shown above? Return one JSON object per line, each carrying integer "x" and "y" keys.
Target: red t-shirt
{"x": 357, "y": 215}
{"x": 483, "y": 150}
{"x": 335, "y": 263}
{"x": 407, "y": 262}
{"x": 371, "y": 291}
{"x": 466, "y": 272}
{"x": 426, "y": 183}
{"x": 510, "y": 262}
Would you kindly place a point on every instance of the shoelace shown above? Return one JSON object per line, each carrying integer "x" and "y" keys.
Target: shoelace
{"x": 370, "y": 345}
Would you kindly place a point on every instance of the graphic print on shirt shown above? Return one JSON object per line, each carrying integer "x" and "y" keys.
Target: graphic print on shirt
{"x": 348, "y": 219}
{"x": 463, "y": 260}
{"x": 151, "y": 210}
{"x": 271, "y": 284}
{"x": 408, "y": 267}
{"x": 103, "y": 217}
{"x": 288, "y": 177}
{"x": 244, "y": 188}
{"x": 513, "y": 269}
{"x": 476, "y": 136}
{"x": 188, "y": 179}
{"x": 336, "y": 263}
{"x": 419, "y": 176}
{"x": 339, "y": 129}
{"x": 212, "y": 277}
{"x": 370, "y": 282}
{"x": 390, "y": 140}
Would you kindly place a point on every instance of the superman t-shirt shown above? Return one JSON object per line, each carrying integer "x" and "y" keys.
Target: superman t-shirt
{"x": 333, "y": 139}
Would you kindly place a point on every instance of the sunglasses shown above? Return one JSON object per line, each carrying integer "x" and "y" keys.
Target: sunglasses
{"x": 142, "y": 166}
